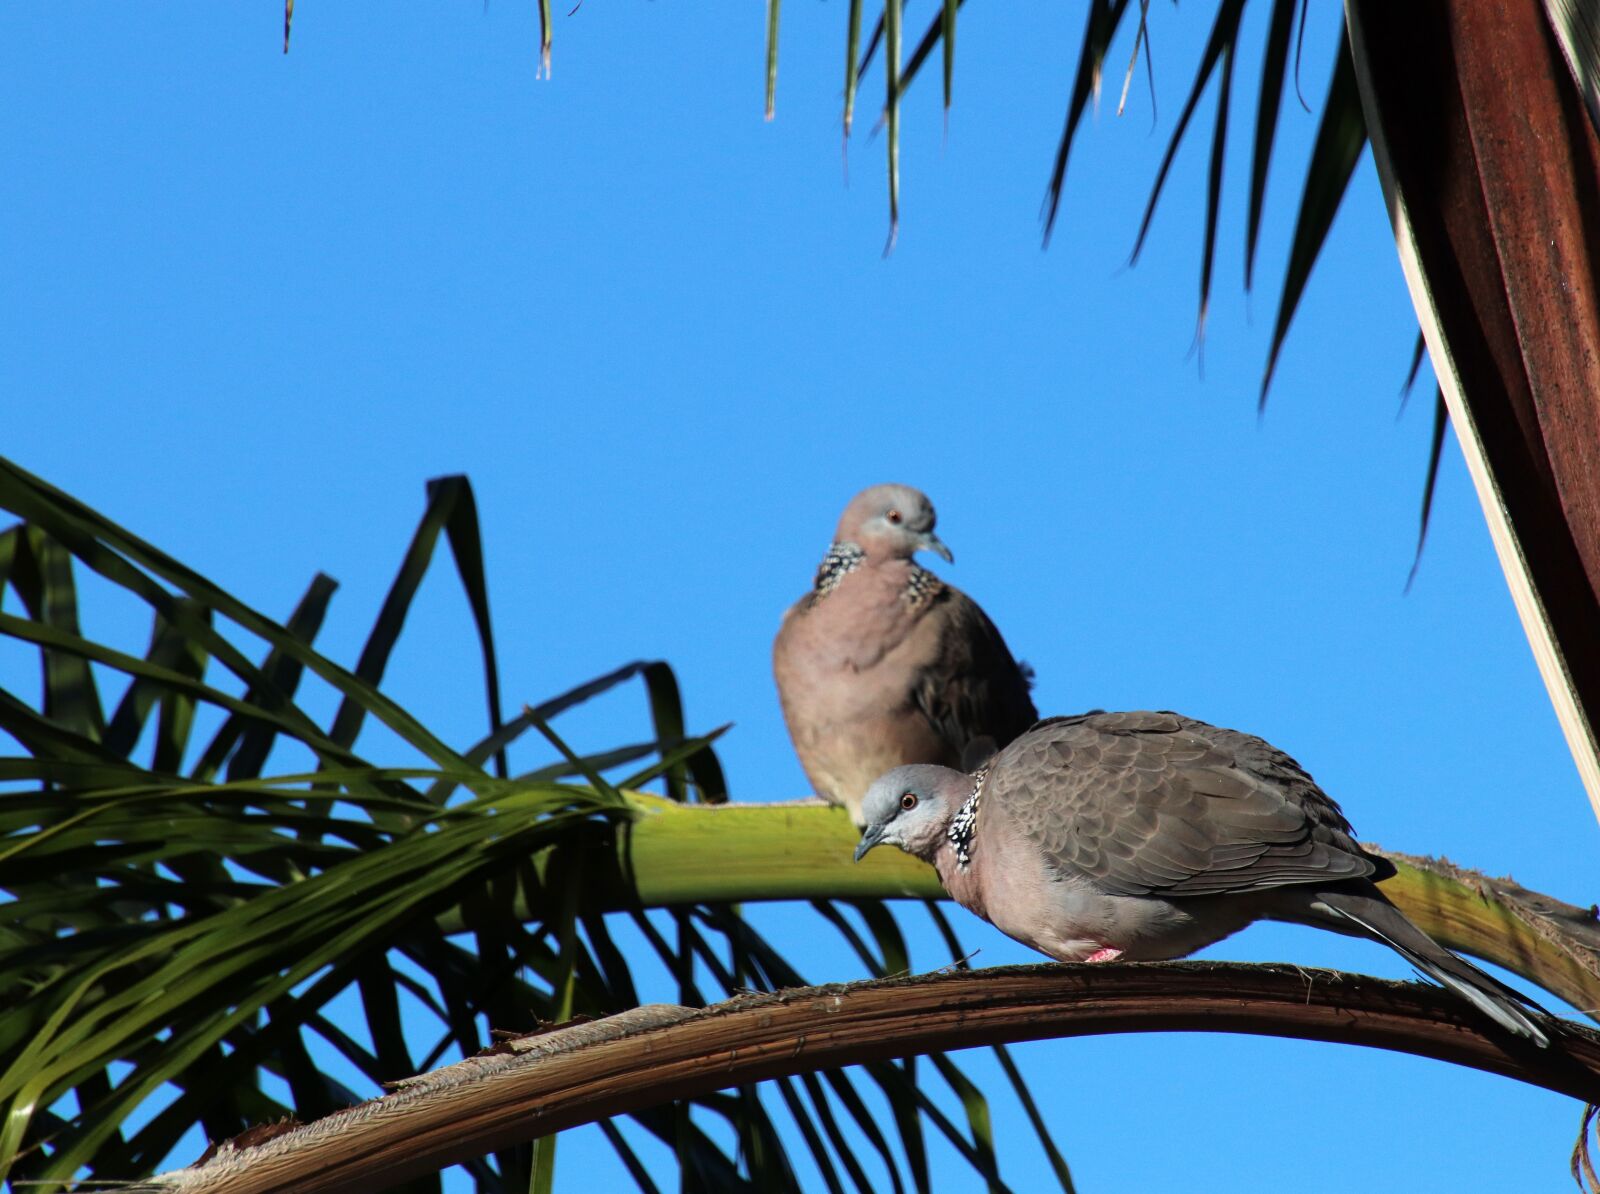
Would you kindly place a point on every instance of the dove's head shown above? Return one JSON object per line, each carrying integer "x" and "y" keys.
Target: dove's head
{"x": 911, "y": 807}
{"x": 891, "y": 522}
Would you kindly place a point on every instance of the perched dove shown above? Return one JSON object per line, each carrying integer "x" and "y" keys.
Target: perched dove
{"x": 1149, "y": 835}
{"x": 882, "y": 663}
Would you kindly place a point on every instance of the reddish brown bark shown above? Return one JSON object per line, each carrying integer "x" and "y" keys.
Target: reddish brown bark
{"x": 647, "y": 1056}
{"x": 1493, "y": 167}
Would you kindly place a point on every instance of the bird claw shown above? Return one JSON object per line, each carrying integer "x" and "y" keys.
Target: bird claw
{"x": 1104, "y": 955}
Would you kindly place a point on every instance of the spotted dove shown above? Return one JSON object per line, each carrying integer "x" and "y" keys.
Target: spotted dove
{"x": 882, "y": 663}
{"x": 1149, "y": 835}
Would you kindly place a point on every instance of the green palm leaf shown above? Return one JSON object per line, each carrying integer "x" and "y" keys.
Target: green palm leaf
{"x": 187, "y": 930}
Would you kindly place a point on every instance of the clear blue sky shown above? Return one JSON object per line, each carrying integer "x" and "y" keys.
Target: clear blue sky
{"x": 249, "y": 304}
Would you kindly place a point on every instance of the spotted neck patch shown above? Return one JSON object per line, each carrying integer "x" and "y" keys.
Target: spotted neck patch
{"x": 965, "y": 823}
{"x": 841, "y": 560}
{"x": 923, "y": 586}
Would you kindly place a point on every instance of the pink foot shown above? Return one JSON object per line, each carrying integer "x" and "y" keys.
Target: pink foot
{"x": 1104, "y": 955}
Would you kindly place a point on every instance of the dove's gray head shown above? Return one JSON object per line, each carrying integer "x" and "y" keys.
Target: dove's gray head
{"x": 891, "y": 522}
{"x": 911, "y": 807}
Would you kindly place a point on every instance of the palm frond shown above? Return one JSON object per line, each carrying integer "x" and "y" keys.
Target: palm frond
{"x": 187, "y": 927}
{"x": 1441, "y": 420}
{"x": 773, "y": 8}
{"x": 1105, "y": 16}
{"x": 1269, "y": 100}
{"x": 1340, "y": 139}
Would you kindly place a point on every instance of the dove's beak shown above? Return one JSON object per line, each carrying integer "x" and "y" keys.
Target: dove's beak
{"x": 932, "y": 542}
{"x": 870, "y": 837}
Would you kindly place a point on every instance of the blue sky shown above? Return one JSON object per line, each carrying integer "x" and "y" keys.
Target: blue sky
{"x": 251, "y": 303}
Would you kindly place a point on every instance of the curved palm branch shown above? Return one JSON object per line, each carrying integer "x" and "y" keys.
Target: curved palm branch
{"x": 183, "y": 925}
{"x": 577, "y": 1074}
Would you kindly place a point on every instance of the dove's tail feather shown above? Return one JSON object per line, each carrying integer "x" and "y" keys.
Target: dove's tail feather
{"x": 1382, "y": 920}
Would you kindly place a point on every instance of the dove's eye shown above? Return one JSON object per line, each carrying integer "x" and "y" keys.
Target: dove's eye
{"x": 894, "y": 516}
{"x": 908, "y": 801}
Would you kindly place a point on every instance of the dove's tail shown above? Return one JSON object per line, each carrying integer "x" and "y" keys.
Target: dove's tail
{"x": 1377, "y": 917}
